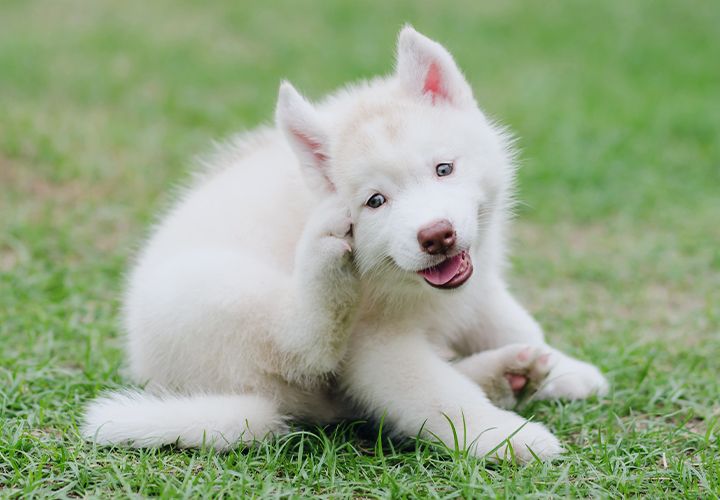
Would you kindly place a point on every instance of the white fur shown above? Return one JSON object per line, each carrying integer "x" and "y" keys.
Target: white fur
{"x": 254, "y": 288}
{"x": 220, "y": 421}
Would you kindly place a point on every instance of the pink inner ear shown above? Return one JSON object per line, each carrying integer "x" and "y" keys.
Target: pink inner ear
{"x": 314, "y": 146}
{"x": 316, "y": 149}
{"x": 433, "y": 82}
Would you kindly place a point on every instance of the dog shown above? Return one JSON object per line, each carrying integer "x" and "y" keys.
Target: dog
{"x": 346, "y": 263}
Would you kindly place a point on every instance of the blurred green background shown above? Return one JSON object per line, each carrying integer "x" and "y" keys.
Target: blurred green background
{"x": 616, "y": 106}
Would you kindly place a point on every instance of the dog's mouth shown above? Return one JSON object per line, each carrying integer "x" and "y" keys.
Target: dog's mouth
{"x": 450, "y": 273}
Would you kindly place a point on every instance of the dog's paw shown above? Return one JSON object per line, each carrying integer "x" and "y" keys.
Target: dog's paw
{"x": 327, "y": 241}
{"x": 511, "y": 437}
{"x": 573, "y": 379}
{"x": 510, "y": 374}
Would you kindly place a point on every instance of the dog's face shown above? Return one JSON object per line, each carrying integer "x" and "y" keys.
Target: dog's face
{"x": 414, "y": 159}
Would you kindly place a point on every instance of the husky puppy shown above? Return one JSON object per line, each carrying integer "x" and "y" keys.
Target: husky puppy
{"x": 345, "y": 263}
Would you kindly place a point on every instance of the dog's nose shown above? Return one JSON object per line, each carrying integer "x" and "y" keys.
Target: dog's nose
{"x": 437, "y": 237}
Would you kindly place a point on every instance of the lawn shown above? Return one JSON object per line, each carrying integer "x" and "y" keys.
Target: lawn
{"x": 616, "y": 106}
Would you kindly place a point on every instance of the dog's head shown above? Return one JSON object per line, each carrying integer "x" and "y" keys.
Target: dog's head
{"x": 423, "y": 171}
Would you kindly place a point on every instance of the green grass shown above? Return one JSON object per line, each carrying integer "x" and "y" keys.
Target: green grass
{"x": 617, "y": 248}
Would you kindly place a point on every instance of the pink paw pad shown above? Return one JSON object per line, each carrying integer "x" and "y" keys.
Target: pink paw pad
{"x": 524, "y": 355}
{"x": 517, "y": 382}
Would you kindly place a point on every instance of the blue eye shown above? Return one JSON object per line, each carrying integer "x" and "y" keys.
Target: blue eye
{"x": 376, "y": 201}
{"x": 443, "y": 169}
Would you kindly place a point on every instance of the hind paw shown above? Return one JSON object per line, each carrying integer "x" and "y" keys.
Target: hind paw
{"x": 326, "y": 242}
{"x": 573, "y": 379}
{"x": 510, "y": 374}
{"x": 525, "y": 370}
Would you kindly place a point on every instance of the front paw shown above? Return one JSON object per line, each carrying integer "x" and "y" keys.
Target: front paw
{"x": 573, "y": 379}
{"x": 526, "y": 440}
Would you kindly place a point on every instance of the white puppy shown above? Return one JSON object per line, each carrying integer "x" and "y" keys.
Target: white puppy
{"x": 347, "y": 263}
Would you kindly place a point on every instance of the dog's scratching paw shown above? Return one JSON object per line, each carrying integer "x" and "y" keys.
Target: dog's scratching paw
{"x": 324, "y": 257}
{"x": 327, "y": 238}
{"x": 339, "y": 234}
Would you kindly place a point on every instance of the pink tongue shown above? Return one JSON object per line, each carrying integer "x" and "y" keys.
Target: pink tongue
{"x": 443, "y": 272}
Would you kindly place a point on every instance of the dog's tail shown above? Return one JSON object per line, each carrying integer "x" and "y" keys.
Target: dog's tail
{"x": 143, "y": 420}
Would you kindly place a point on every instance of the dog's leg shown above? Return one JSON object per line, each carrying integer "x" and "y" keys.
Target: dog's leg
{"x": 400, "y": 380}
{"x": 502, "y": 320}
{"x": 325, "y": 290}
{"x": 204, "y": 317}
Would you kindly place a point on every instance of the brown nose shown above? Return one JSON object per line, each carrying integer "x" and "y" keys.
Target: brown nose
{"x": 437, "y": 237}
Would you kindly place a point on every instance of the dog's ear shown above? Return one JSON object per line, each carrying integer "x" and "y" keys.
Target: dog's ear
{"x": 425, "y": 68}
{"x": 299, "y": 120}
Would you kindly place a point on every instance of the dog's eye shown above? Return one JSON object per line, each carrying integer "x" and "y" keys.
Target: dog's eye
{"x": 443, "y": 169}
{"x": 376, "y": 200}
